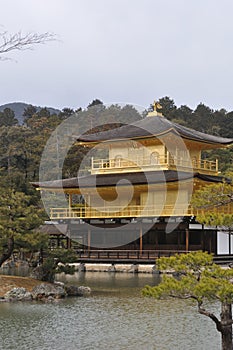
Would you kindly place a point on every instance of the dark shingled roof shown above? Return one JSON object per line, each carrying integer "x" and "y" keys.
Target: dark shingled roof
{"x": 123, "y": 179}
{"x": 53, "y": 229}
{"x": 152, "y": 126}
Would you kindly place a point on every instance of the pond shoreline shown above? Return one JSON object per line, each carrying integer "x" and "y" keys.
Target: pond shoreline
{"x": 108, "y": 267}
{"x": 8, "y": 282}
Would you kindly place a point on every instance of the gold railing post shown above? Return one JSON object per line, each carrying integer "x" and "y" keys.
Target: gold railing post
{"x": 70, "y": 204}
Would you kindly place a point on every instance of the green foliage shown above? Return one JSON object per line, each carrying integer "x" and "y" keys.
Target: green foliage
{"x": 95, "y": 103}
{"x": 210, "y": 202}
{"x": 194, "y": 261}
{"x": 56, "y": 262}
{"x": 213, "y": 195}
{"x": 21, "y": 146}
{"x": 29, "y": 111}
{"x": 47, "y": 270}
{"x": 19, "y": 218}
{"x": 204, "y": 119}
{"x": 33, "y": 241}
{"x": 195, "y": 276}
{"x": 198, "y": 278}
{"x": 168, "y": 107}
{"x": 66, "y": 113}
{"x": 216, "y": 219}
{"x": 7, "y": 118}
{"x": 63, "y": 256}
{"x": 224, "y": 156}
{"x": 67, "y": 269}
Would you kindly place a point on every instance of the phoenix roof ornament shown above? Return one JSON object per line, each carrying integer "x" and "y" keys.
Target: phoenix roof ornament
{"x": 156, "y": 107}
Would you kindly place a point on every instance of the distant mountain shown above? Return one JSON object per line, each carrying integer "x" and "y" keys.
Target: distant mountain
{"x": 18, "y": 108}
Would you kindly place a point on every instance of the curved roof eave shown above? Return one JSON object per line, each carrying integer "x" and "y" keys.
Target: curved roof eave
{"x": 148, "y": 128}
{"x": 107, "y": 180}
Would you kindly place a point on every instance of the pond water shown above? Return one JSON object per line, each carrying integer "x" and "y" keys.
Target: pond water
{"x": 115, "y": 316}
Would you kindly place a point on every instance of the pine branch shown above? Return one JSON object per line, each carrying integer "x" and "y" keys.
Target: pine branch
{"x": 204, "y": 312}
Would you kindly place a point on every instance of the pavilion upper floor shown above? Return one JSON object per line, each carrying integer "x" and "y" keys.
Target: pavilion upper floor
{"x": 151, "y": 144}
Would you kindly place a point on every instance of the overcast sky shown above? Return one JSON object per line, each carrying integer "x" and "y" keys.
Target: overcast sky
{"x": 129, "y": 51}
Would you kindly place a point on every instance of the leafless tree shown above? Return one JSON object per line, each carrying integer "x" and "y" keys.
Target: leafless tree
{"x": 19, "y": 41}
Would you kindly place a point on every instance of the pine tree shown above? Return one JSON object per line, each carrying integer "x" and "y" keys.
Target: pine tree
{"x": 18, "y": 219}
{"x": 195, "y": 276}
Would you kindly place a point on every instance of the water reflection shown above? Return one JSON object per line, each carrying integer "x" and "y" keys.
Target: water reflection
{"x": 23, "y": 271}
{"x": 125, "y": 283}
{"x": 115, "y": 316}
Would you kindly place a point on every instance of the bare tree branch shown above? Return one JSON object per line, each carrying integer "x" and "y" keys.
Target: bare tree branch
{"x": 21, "y": 42}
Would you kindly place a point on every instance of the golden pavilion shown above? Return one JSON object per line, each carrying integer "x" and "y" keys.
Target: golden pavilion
{"x": 136, "y": 197}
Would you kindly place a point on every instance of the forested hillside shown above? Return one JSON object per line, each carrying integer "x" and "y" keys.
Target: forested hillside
{"x": 207, "y": 120}
{"x": 203, "y": 118}
{"x": 21, "y": 145}
{"x": 19, "y": 107}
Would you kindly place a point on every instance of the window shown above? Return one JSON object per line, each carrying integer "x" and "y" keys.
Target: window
{"x": 154, "y": 158}
{"x": 118, "y": 159}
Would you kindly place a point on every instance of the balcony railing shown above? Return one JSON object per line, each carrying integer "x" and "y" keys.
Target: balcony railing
{"x": 119, "y": 212}
{"x": 134, "y": 256}
{"x": 220, "y": 209}
{"x": 133, "y": 211}
{"x": 158, "y": 163}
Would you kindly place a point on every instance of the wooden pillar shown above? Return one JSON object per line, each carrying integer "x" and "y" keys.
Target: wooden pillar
{"x": 140, "y": 240}
{"x": 68, "y": 239}
{"x": 187, "y": 239}
{"x": 202, "y": 238}
{"x": 210, "y": 241}
{"x": 68, "y": 242}
{"x": 70, "y": 200}
{"x": 89, "y": 239}
{"x": 229, "y": 237}
{"x": 156, "y": 240}
{"x": 88, "y": 207}
{"x": 70, "y": 203}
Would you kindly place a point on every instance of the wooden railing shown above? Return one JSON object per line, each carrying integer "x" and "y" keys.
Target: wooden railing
{"x": 134, "y": 211}
{"x": 156, "y": 163}
{"x": 220, "y": 209}
{"x": 125, "y": 255}
{"x": 206, "y": 165}
{"x": 120, "y": 212}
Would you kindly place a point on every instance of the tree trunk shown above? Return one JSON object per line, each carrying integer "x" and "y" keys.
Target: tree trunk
{"x": 9, "y": 250}
{"x": 226, "y": 332}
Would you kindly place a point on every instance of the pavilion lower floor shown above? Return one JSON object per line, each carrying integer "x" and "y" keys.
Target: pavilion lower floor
{"x": 139, "y": 239}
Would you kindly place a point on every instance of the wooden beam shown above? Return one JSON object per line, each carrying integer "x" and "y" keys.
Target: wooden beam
{"x": 187, "y": 239}
{"x": 70, "y": 200}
